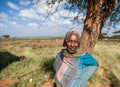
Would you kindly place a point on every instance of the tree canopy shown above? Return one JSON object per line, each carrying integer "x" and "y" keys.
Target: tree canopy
{"x": 82, "y": 5}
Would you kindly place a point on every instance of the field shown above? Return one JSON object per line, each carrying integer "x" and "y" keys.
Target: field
{"x": 28, "y": 63}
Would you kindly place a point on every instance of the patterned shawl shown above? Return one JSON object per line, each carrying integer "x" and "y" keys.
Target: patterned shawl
{"x": 74, "y": 70}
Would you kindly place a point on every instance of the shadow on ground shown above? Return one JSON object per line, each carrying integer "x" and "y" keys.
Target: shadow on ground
{"x": 47, "y": 67}
{"x": 6, "y": 58}
{"x": 115, "y": 82}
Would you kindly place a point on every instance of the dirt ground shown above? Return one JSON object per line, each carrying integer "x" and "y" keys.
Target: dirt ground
{"x": 47, "y": 84}
{"x": 5, "y": 83}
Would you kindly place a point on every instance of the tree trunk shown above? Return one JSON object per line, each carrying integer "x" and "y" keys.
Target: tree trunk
{"x": 95, "y": 20}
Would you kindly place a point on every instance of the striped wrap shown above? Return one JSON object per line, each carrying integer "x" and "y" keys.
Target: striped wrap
{"x": 74, "y": 72}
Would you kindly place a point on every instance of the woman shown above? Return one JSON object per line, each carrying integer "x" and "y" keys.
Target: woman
{"x": 73, "y": 67}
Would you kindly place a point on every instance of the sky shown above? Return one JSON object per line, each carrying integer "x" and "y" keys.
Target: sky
{"x": 22, "y": 18}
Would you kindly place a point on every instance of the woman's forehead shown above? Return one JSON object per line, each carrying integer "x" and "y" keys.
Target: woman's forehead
{"x": 73, "y": 36}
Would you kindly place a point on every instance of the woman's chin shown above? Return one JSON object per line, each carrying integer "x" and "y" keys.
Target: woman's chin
{"x": 71, "y": 52}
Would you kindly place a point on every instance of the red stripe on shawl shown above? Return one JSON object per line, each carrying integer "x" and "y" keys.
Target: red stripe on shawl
{"x": 60, "y": 73}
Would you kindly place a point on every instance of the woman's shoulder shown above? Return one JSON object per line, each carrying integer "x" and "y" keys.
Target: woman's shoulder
{"x": 85, "y": 53}
{"x": 59, "y": 54}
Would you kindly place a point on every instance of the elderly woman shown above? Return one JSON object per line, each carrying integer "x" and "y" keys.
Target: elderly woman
{"x": 73, "y": 67}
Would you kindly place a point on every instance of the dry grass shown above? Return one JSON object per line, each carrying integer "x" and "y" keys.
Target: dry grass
{"x": 108, "y": 56}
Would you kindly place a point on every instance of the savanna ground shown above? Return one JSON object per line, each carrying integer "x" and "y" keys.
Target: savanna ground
{"x": 28, "y": 63}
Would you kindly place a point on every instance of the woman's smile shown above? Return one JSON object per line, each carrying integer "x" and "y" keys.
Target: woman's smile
{"x": 72, "y": 43}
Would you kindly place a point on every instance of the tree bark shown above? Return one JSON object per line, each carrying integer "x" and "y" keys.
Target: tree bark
{"x": 95, "y": 19}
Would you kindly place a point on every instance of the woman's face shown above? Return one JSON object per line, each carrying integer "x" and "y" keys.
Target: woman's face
{"x": 72, "y": 43}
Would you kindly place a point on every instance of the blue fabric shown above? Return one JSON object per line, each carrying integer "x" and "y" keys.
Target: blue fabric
{"x": 86, "y": 60}
{"x": 81, "y": 77}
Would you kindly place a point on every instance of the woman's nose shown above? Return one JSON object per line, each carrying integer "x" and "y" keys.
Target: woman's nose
{"x": 72, "y": 44}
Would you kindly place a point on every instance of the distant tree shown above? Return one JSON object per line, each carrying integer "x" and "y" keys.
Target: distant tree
{"x": 115, "y": 37}
{"x": 102, "y": 35}
{"x": 117, "y": 32}
{"x": 6, "y": 36}
{"x": 97, "y": 13}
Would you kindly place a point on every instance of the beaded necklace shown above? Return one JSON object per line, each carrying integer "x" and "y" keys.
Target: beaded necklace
{"x": 76, "y": 54}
